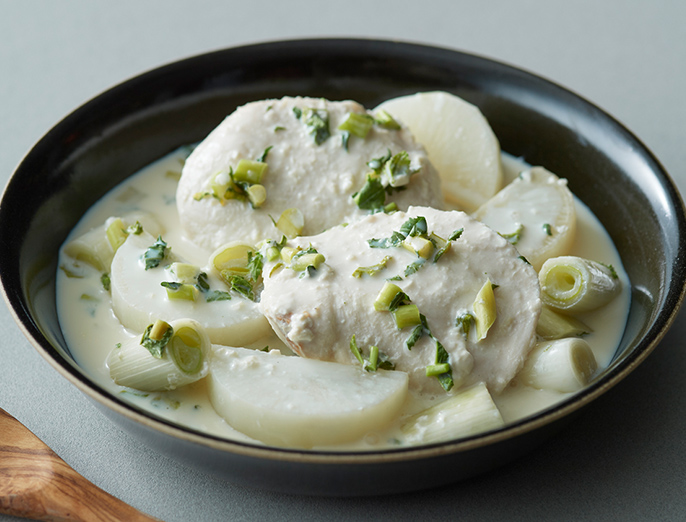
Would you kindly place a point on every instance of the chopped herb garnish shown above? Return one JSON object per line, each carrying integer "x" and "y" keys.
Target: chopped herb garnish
{"x": 547, "y": 229}
{"x": 414, "y": 336}
{"x": 106, "y": 281}
{"x": 515, "y": 236}
{"x": 464, "y": 322}
{"x": 371, "y": 270}
{"x": 524, "y": 259}
{"x": 217, "y": 295}
{"x": 263, "y": 157}
{"x": 613, "y": 272}
{"x": 202, "y": 283}
{"x": 356, "y": 350}
{"x": 456, "y": 234}
{"x": 371, "y": 196}
{"x": 397, "y": 167}
{"x": 279, "y": 128}
{"x": 156, "y": 337}
{"x": 136, "y": 229}
{"x": 376, "y": 164}
{"x": 255, "y": 264}
{"x": 345, "y": 138}
{"x": 317, "y": 122}
{"x": 386, "y": 121}
{"x": 241, "y": 286}
{"x": 400, "y": 299}
{"x": 155, "y": 253}
{"x": 414, "y": 266}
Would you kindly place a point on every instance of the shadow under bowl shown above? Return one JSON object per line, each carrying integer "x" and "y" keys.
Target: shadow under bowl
{"x": 129, "y": 126}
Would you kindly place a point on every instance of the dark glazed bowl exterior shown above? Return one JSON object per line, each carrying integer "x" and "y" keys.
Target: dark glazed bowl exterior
{"x": 127, "y": 127}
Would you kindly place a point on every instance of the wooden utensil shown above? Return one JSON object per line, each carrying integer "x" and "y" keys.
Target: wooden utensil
{"x": 36, "y": 483}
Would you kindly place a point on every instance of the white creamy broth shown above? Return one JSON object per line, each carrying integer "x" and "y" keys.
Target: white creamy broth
{"x": 92, "y": 330}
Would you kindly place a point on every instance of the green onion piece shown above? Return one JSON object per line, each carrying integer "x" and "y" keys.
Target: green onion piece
{"x": 155, "y": 253}
{"x": 372, "y": 364}
{"x": 357, "y": 124}
{"x": 419, "y": 245}
{"x": 156, "y": 337}
{"x": 371, "y": 270}
{"x": 220, "y": 184}
{"x": 414, "y": 227}
{"x": 185, "y": 350}
{"x": 180, "y": 291}
{"x": 257, "y": 195}
{"x": 201, "y": 282}
{"x": 400, "y": 299}
{"x": 386, "y": 121}
{"x": 386, "y": 296}
{"x": 376, "y": 164}
{"x": 406, "y": 315}
{"x": 185, "y": 272}
{"x": 434, "y": 370}
{"x": 291, "y": 222}
{"x": 391, "y": 207}
{"x": 116, "y": 233}
{"x": 249, "y": 171}
{"x": 230, "y": 256}
{"x": 302, "y": 262}
{"x": 255, "y": 265}
{"x": 356, "y": 350}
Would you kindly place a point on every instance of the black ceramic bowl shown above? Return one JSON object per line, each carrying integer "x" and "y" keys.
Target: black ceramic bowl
{"x": 127, "y": 127}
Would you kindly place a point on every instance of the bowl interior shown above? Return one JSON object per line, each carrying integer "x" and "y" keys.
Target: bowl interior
{"x": 126, "y": 128}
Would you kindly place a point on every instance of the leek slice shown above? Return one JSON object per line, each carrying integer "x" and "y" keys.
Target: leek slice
{"x": 184, "y": 359}
{"x": 563, "y": 365}
{"x": 574, "y": 285}
{"x": 468, "y": 412}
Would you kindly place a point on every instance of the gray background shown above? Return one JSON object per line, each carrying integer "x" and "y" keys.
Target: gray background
{"x": 623, "y": 459}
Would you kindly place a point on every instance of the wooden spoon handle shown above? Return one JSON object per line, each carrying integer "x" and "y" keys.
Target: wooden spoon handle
{"x": 36, "y": 483}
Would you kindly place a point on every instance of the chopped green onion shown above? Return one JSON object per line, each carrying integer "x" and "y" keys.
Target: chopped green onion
{"x": 257, "y": 195}
{"x": 386, "y": 121}
{"x": 385, "y": 297}
{"x": 464, "y": 322}
{"x": 419, "y": 245}
{"x": 371, "y": 366}
{"x": 249, "y": 171}
{"x": 356, "y": 350}
{"x": 414, "y": 336}
{"x": 371, "y": 270}
{"x": 414, "y": 267}
{"x": 407, "y": 315}
{"x": 317, "y": 122}
{"x": 445, "y": 378}
{"x": 357, "y": 124}
{"x": 136, "y": 229}
{"x": 180, "y": 291}
{"x": 291, "y": 222}
{"x": 434, "y": 370}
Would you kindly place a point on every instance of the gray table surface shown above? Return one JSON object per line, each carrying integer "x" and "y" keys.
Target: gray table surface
{"x": 624, "y": 459}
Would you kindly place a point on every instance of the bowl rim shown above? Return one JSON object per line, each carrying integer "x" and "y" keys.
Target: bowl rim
{"x": 612, "y": 376}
